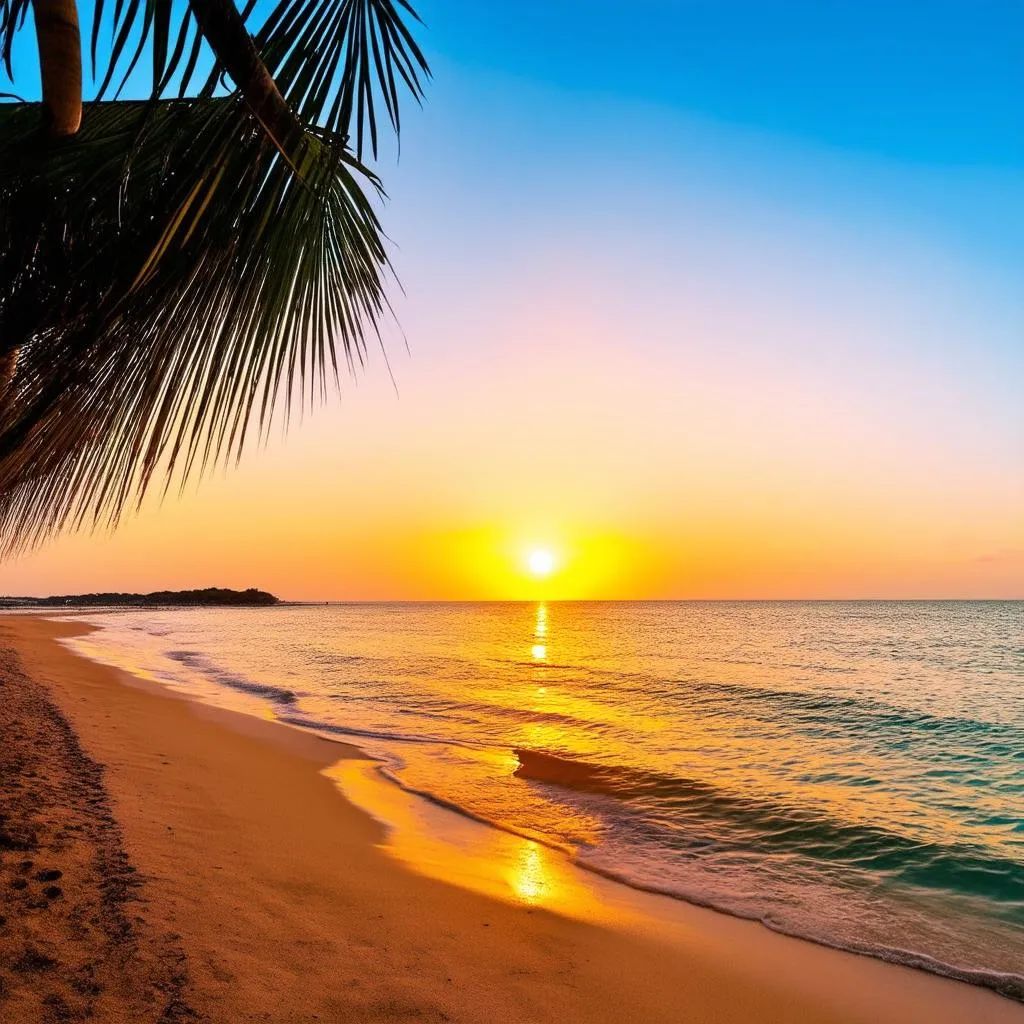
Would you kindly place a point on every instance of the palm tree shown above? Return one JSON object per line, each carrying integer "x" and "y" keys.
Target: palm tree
{"x": 174, "y": 268}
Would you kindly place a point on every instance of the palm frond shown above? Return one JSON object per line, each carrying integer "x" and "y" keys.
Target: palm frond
{"x": 304, "y": 41}
{"x": 334, "y": 61}
{"x": 12, "y": 18}
{"x": 173, "y": 274}
{"x": 129, "y": 365}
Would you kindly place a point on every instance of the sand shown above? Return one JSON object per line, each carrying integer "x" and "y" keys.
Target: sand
{"x": 212, "y": 871}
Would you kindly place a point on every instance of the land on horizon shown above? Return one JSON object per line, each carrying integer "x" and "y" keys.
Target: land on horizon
{"x": 207, "y": 597}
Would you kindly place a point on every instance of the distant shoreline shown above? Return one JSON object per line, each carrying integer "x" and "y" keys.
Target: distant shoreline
{"x": 209, "y": 597}
{"x": 170, "y": 599}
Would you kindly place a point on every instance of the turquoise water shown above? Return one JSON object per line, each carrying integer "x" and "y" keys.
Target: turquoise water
{"x": 850, "y": 772}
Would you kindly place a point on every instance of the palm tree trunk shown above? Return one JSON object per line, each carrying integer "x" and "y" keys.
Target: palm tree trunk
{"x": 225, "y": 31}
{"x": 60, "y": 63}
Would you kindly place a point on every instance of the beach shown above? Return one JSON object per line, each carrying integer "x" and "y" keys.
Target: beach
{"x": 211, "y": 869}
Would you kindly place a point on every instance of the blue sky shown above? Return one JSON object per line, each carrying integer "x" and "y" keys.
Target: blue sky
{"x": 936, "y": 82}
{"x": 893, "y": 125}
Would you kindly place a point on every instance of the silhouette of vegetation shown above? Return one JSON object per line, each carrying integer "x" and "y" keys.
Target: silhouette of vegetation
{"x": 178, "y": 269}
{"x": 209, "y": 597}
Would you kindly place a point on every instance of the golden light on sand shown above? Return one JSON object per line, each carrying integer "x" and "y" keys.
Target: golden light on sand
{"x": 541, "y": 562}
{"x": 529, "y": 876}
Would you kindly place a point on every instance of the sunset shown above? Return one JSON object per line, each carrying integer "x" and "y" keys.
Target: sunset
{"x": 511, "y": 512}
{"x": 785, "y": 364}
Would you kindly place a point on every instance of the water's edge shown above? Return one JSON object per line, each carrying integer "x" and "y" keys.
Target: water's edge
{"x": 1008, "y": 985}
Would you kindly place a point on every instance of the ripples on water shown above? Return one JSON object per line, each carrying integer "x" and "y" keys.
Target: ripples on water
{"x": 850, "y": 772}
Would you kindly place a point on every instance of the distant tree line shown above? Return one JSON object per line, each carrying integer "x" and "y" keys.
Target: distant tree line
{"x": 210, "y": 596}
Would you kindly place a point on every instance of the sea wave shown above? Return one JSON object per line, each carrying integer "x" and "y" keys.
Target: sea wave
{"x": 333, "y": 729}
{"x": 1007, "y": 984}
{"x": 846, "y": 711}
{"x": 200, "y": 663}
{"x": 739, "y": 823}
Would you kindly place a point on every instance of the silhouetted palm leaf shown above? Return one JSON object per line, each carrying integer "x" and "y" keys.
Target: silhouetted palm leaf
{"x": 169, "y": 275}
{"x": 332, "y": 60}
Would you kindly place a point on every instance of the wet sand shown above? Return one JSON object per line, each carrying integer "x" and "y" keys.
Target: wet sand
{"x": 212, "y": 870}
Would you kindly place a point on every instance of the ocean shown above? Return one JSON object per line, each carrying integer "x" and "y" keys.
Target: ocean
{"x": 848, "y": 772}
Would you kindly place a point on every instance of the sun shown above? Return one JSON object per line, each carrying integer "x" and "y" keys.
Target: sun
{"x": 541, "y": 562}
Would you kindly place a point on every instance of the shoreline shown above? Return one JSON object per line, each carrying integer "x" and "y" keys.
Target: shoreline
{"x": 1007, "y": 985}
{"x": 417, "y": 946}
{"x": 487, "y": 877}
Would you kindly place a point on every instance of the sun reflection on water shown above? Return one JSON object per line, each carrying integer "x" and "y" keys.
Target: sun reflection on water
{"x": 529, "y": 877}
{"x": 442, "y": 844}
{"x": 540, "y": 632}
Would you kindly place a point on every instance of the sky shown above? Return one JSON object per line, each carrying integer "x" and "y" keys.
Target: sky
{"x": 714, "y": 299}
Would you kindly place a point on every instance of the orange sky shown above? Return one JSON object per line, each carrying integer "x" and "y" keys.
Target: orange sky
{"x": 645, "y": 478}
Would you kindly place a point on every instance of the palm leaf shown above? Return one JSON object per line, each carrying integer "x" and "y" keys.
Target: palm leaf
{"x": 334, "y": 61}
{"x": 168, "y": 281}
{"x": 304, "y": 41}
{"x": 128, "y": 365}
{"x": 12, "y": 18}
